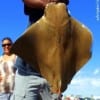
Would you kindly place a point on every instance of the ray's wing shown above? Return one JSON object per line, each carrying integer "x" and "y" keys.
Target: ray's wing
{"x": 24, "y": 45}
{"x": 82, "y": 43}
{"x": 79, "y": 52}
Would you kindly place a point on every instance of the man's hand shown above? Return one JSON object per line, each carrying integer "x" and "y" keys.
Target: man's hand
{"x": 45, "y": 2}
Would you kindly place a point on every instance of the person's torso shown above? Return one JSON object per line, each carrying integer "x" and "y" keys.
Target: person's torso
{"x": 6, "y": 75}
{"x": 23, "y": 68}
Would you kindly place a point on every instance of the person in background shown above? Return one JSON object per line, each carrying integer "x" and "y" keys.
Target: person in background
{"x": 7, "y": 70}
{"x": 29, "y": 84}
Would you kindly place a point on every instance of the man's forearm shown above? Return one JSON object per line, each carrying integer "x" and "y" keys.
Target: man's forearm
{"x": 38, "y": 3}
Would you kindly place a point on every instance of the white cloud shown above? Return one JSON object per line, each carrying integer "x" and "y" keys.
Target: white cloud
{"x": 95, "y": 82}
{"x": 96, "y": 71}
{"x": 85, "y": 82}
{"x": 84, "y": 86}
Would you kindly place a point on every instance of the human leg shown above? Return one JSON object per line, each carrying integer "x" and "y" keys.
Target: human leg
{"x": 29, "y": 85}
{"x": 32, "y": 88}
{"x": 26, "y": 88}
{"x": 5, "y": 96}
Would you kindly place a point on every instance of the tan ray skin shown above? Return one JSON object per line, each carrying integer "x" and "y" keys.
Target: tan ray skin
{"x": 56, "y": 45}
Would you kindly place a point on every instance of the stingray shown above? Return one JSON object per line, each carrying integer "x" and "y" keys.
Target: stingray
{"x": 57, "y": 46}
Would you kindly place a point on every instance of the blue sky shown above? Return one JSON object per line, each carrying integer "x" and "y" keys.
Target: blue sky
{"x": 87, "y": 81}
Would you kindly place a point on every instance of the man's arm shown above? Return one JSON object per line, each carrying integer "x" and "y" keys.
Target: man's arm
{"x": 38, "y": 3}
